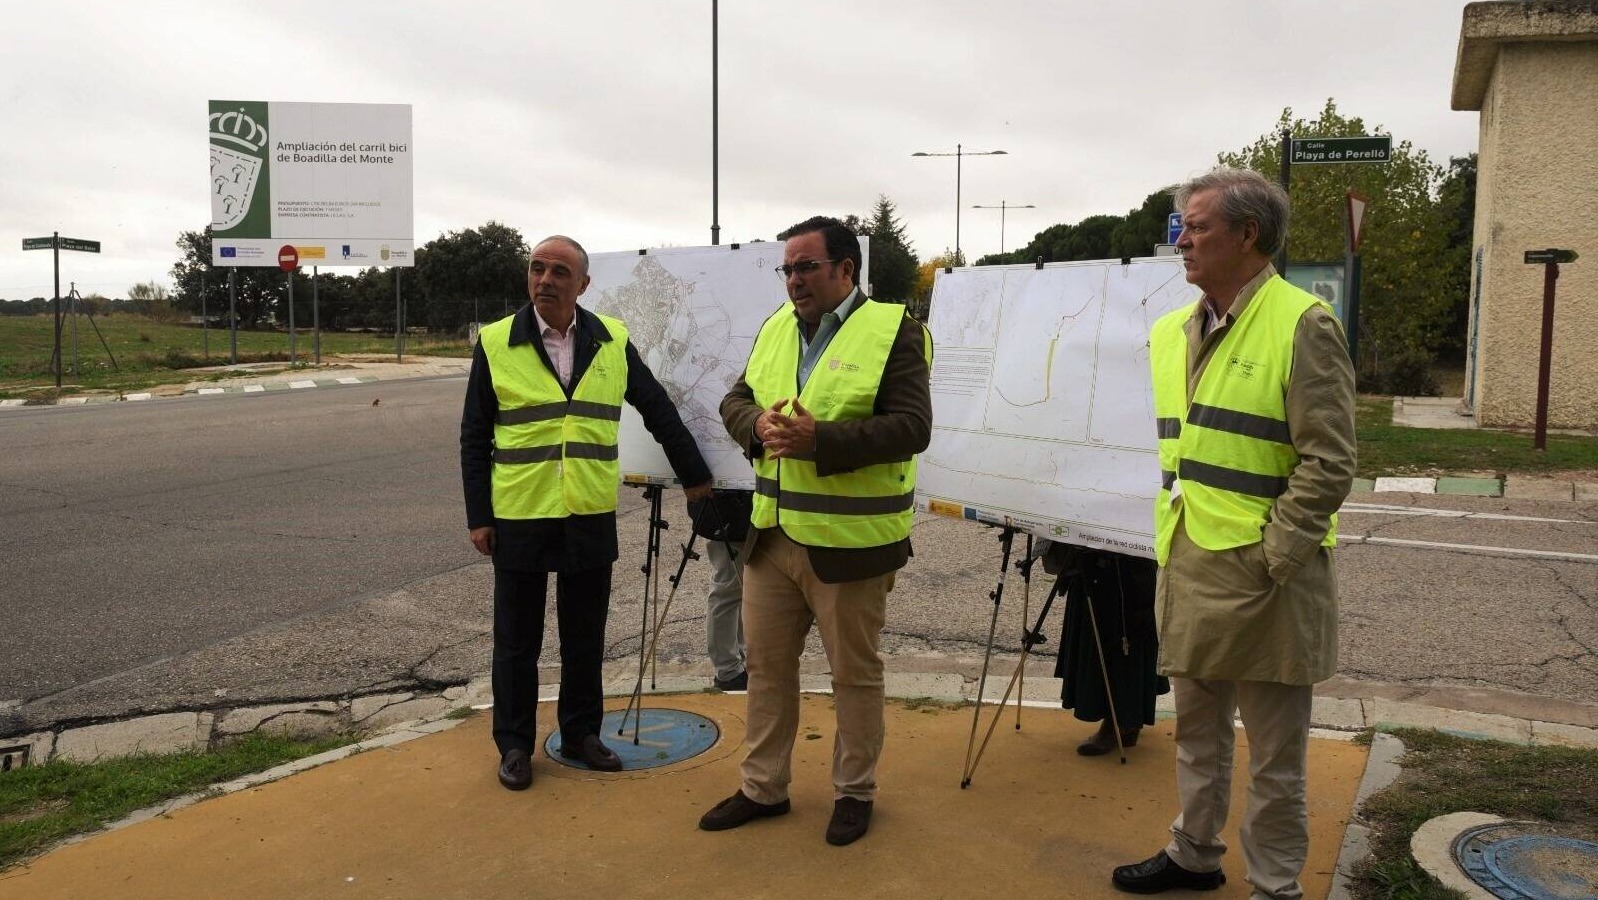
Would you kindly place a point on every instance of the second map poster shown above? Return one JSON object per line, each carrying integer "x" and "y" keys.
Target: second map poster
{"x": 1042, "y": 411}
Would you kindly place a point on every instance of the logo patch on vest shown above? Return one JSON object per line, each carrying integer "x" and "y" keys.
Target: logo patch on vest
{"x": 835, "y": 364}
{"x": 1245, "y": 369}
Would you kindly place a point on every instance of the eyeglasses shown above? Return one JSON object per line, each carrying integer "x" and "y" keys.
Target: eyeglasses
{"x": 802, "y": 268}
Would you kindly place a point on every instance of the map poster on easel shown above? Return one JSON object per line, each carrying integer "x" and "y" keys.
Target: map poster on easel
{"x": 1042, "y": 410}
{"x": 693, "y": 313}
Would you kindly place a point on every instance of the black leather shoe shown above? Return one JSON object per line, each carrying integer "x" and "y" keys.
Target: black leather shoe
{"x": 1103, "y": 740}
{"x": 1159, "y": 873}
{"x": 739, "y": 682}
{"x": 739, "y": 810}
{"x": 515, "y": 770}
{"x": 850, "y": 819}
{"x": 593, "y": 753}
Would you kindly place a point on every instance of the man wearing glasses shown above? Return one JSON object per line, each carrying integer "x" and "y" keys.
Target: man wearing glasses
{"x": 832, "y": 409}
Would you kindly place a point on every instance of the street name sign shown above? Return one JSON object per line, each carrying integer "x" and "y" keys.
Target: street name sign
{"x": 1311, "y": 151}
{"x": 44, "y": 243}
{"x": 1550, "y": 256}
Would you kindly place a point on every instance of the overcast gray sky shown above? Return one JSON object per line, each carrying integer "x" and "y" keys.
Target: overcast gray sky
{"x": 594, "y": 118}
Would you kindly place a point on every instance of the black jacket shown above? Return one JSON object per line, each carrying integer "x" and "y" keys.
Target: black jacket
{"x": 571, "y": 543}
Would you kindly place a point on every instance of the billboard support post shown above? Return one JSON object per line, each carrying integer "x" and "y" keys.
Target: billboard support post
{"x": 316, "y": 321}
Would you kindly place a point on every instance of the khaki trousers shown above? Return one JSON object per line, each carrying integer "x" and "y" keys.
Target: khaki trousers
{"x": 782, "y": 598}
{"x": 1275, "y": 829}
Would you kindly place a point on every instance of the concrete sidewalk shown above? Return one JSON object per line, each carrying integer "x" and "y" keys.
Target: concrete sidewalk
{"x": 426, "y": 817}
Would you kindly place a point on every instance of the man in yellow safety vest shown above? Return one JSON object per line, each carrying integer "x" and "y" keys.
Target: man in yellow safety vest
{"x": 539, "y": 463}
{"x": 1254, "y": 402}
{"x": 832, "y": 409}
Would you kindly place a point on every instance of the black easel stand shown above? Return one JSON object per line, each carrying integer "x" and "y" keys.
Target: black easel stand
{"x": 1006, "y": 540}
{"x": 650, "y": 567}
{"x": 651, "y": 570}
{"x": 1071, "y": 582}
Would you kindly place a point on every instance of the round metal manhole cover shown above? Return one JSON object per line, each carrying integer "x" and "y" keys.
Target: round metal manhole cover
{"x": 1528, "y": 861}
{"x": 665, "y": 736}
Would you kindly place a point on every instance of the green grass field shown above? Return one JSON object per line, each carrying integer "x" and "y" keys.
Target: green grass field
{"x": 1388, "y": 449}
{"x": 149, "y": 352}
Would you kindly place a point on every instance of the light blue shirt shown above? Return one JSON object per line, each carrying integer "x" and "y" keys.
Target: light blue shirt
{"x": 810, "y": 349}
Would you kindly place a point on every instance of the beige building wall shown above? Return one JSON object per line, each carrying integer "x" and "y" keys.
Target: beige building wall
{"x": 1531, "y": 69}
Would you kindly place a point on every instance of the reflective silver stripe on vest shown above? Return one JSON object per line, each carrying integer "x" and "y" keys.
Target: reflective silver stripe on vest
{"x": 544, "y": 412}
{"x": 1167, "y": 479}
{"x": 606, "y": 452}
{"x": 525, "y": 415}
{"x": 1168, "y": 428}
{"x": 1245, "y": 424}
{"x": 517, "y": 455}
{"x": 830, "y": 504}
{"x": 1268, "y": 486}
{"x": 591, "y": 410}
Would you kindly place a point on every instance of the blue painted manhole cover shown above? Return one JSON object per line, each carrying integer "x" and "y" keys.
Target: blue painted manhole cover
{"x": 1528, "y": 861}
{"x": 665, "y": 736}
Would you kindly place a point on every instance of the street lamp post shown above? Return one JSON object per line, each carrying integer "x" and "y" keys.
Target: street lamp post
{"x": 1003, "y": 205}
{"x": 960, "y": 153}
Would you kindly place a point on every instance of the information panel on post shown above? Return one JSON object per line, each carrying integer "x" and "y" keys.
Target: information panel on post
{"x": 331, "y": 179}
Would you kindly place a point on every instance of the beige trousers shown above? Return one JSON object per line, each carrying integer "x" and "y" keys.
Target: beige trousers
{"x": 782, "y": 598}
{"x": 1275, "y": 829}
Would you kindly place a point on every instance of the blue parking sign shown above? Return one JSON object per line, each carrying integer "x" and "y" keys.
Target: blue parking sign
{"x": 1173, "y": 227}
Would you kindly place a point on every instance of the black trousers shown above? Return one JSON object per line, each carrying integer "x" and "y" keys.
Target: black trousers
{"x": 582, "y": 602}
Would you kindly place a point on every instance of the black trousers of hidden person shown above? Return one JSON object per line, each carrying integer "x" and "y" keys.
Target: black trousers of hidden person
{"x": 582, "y": 602}
{"x": 1120, "y": 589}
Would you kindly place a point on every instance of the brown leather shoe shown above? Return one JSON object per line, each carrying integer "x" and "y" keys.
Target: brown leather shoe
{"x": 739, "y": 810}
{"x": 850, "y": 819}
{"x": 1103, "y": 740}
{"x": 515, "y": 770}
{"x": 593, "y": 753}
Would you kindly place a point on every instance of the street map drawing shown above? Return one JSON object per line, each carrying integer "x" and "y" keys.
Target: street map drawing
{"x": 693, "y": 313}
{"x": 1042, "y": 410}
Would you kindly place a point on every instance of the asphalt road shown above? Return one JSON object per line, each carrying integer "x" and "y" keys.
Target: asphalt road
{"x": 130, "y": 532}
{"x": 263, "y": 547}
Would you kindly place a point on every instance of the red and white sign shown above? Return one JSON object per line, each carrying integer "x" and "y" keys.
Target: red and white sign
{"x": 1356, "y": 218}
{"x": 288, "y": 258}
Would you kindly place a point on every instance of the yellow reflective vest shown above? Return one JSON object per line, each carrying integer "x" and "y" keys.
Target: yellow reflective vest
{"x": 868, "y": 507}
{"x": 1226, "y": 454}
{"x": 555, "y": 457}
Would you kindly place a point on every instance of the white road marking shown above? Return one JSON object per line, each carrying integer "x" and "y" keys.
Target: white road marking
{"x": 74, "y": 401}
{"x": 1407, "y": 485}
{"x": 18, "y": 402}
{"x": 145, "y": 396}
{"x": 349, "y": 381}
{"x": 1512, "y": 552}
{"x": 1387, "y": 510}
{"x": 254, "y": 388}
{"x": 212, "y": 391}
{"x": 297, "y": 385}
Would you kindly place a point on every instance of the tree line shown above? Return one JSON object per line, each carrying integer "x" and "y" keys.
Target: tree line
{"x": 1415, "y": 250}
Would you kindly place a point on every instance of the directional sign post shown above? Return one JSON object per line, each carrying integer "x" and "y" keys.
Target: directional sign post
{"x": 1549, "y": 259}
{"x": 1327, "y": 150}
{"x": 1173, "y": 227}
{"x": 56, "y": 243}
{"x": 1354, "y": 219}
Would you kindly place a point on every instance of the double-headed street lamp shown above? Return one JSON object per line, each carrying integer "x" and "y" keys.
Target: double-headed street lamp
{"x": 1003, "y": 205}
{"x": 960, "y": 153}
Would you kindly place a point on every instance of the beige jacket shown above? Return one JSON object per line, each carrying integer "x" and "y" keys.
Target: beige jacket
{"x": 1268, "y": 611}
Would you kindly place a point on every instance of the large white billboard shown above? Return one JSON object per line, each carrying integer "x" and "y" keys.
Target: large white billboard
{"x": 333, "y": 180}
